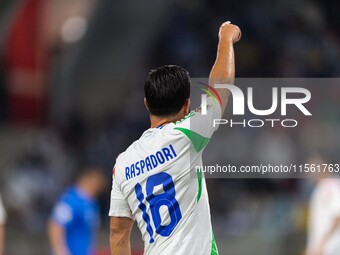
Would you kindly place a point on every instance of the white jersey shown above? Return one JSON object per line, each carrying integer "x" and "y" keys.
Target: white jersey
{"x": 2, "y": 213}
{"x": 324, "y": 209}
{"x": 157, "y": 181}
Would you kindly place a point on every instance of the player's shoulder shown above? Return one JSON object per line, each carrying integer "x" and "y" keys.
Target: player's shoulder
{"x": 70, "y": 197}
{"x": 331, "y": 185}
{"x": 127, "y": 153}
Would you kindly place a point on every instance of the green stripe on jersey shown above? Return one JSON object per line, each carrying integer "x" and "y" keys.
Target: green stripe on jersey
{"x": 214, "y": 250}
{"x": 199, "y": 179}
{"x": 210, "y": 94}
{"x": 197, "y": 140}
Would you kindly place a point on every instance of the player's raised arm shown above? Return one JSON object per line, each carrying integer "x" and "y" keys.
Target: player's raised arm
{"x": 223, "y": 70}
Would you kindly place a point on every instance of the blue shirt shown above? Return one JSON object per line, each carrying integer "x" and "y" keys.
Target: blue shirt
{"x": 79, "y": 215}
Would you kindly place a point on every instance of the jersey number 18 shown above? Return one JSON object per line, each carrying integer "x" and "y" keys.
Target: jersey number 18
{"x": 167, "y": 198}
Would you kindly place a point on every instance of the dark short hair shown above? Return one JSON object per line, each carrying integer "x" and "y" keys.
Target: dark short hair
{"x": 166, "y": 90}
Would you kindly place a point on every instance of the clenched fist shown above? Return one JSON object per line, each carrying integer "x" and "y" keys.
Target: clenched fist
{"x": 229, "y": 31}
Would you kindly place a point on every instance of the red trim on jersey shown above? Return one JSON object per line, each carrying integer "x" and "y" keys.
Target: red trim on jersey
{"x": 213, "y": 90}
{"x": 216, "y": 94}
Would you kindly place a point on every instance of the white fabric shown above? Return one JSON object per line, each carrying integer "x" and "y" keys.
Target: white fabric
{"x": 2, "y": 213}
{"x": 63, "y": 214}
{"x": 324, "y": 209}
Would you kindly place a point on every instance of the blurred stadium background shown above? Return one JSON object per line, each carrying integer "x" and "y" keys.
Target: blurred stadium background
{"x": 71, "y": 89}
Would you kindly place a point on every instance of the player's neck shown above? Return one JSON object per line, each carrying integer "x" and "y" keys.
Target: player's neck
{"x": 157, "y": 121}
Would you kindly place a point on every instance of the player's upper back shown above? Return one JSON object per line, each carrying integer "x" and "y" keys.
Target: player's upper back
{"x": 158, "y": 149}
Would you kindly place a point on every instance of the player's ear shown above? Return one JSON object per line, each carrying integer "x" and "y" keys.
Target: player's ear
{"x": 186, "y": 106}
{"x": 146, "y": 104}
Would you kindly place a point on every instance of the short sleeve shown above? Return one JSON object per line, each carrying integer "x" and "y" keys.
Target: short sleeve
{"x": 119, "y": 207}
{"x": 199, "y": 127}
{"x": 62, "y": 214}
{"x": 2, "y": 213}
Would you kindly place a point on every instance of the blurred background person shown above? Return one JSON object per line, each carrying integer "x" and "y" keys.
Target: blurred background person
{"x": 2, "y": 227}
{"x": 324, "y": 222}
{"x": 75, "y": 219}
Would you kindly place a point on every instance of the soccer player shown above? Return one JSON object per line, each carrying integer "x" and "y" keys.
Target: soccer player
{"x": 75, "y": 219}
{"x": 2, "y": 227}
{"x": 324, "y": 220}
{"x": 152, "y": 181}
